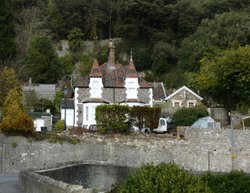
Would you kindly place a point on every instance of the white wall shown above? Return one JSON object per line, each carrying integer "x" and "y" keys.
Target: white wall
{"x": 38, "y": 123}
{"x": 69, "y": 116}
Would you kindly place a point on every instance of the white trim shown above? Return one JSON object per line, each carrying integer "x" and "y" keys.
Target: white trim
{"x": 76, "y": 105}
{"x": 163, "y": 88}
{"x": 184, "y": 88}
{"x": 191, "y": 101}
{"x": 177, "y": 101}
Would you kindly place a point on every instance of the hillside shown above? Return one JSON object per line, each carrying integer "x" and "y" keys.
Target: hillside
{"x": 200, "y": 43}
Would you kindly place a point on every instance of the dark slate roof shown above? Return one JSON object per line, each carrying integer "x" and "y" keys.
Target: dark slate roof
{"x": 131, "y": 101}
{"x": 35, "y": 115}
{"x": 96, "y": 100}
{"x": 113, "y": 76}
{"x": 159, "y": 92}
{"x": 67, "y": 103}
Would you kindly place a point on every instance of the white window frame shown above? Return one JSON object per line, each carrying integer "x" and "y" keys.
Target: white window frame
{"x": 191, "y": 101}
{"x": 174, "y": 102}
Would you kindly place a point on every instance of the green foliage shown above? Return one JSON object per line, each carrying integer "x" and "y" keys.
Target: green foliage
{"x": 59, "y": 126}
{"x": 85, "y": 65}
{"x": 8, "y": 81}
{"x": 7, "y": 44}
{"x": 187, "y": 116}
{"x": 223, "y": 31}
{"x": 111, "y": 118}
{"x": 233, "y": 182}
{"x": 161, "y": 178}
{"x": 75, "y": 39}
{"x": 58, "y": 98}
{"x": 14, "y": 145}
{"x": 67, "y": 64}
{"x": 43, "y": 104}
{"x": 42, "y": 63}
{"x": 226, "y": 77}
{"x": 145, "y": 116}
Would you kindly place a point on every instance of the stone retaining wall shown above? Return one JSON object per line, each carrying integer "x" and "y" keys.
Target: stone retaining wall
{"x": 202, "y": 150}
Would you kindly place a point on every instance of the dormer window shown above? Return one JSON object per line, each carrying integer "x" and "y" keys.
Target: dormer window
{"x": 131, "y": 90}
{"x": 95, "y": 88}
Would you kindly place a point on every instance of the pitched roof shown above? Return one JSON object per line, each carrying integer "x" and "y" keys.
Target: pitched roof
{"x": 95, "y": 70}
{"x": 36, "y": 115}
{"x": 113, "y": 74}
{"x": 159, "y": 92}
{"x": 184, "y": 88}
{"x": 131, "y": 71}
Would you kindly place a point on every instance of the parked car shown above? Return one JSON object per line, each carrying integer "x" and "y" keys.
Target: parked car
{"x": 165, "y": 125}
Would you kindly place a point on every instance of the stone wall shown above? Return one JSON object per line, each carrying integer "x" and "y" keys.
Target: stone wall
{"x": 202, "y": 150}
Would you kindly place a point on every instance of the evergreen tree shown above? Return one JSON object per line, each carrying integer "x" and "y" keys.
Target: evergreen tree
{"x": 42, "y": 63}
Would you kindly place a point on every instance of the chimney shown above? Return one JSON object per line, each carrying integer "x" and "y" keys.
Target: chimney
{"x": 111, "y": 52}
{"x": 30, "y": 81}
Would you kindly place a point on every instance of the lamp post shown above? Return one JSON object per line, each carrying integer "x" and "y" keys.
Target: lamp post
{"x": 65, "y": 91}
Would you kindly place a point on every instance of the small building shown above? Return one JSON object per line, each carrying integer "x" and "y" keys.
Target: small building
{"x": 46, "y": 91}
{"x": 42, "y": 120}
{"x": 183, "y": 97}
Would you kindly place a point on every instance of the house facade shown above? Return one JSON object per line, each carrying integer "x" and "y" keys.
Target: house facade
{"x": 109, "y": 83}
{"x": 183, "y": 97}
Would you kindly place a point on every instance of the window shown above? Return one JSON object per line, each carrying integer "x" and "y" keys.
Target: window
{"x": 131, "y": 90}
{"x": 176, "y": 103}
{"x": 95, "y": 88}
{"x": 191, "y": 104}
{"x": 87, "y": 113}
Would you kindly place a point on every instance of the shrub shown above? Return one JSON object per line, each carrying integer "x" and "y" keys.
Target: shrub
{"x": 233, "y": 182}
{"x": 161, "y": 178}
{"x": 187, "y": 116}
{"x": 111, "y": 118}
{"x": 145, "y": 116}
{"x": 22, "y": 124}
{"x": 59, "y": 126}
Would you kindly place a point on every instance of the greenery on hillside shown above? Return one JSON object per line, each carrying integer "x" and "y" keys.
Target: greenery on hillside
{"x": 176, "y": 41}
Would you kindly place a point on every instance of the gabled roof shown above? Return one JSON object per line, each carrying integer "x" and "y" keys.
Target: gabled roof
{"x": 159, "y": 92}
{"x": 184, "y": 88}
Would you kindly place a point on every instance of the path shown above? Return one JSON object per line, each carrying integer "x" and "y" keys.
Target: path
{"x": 9, "y": 183}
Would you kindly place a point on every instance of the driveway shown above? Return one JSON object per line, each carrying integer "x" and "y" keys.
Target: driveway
{"x": 9, "y": 183}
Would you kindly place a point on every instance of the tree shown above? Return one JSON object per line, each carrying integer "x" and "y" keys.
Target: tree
{"x": 42, "y": 63}
{"x": 187, "y": 116}
{"x": 15, "y": 120}
{"x": 224, "y": 31}
{"x": 165, "y": 177}
{"x": 8, "y": 81}
{"x": 75, "y": 39}
{"x": 7, "y": 44}
{"x": 225, "y": 76}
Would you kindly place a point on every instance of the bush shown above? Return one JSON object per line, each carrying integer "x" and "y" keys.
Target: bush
{"x": 187, "y": 116}
{"x": 22, "y": 124}
{"x": 161, "y": 178}
{"x": 233, "y": 182}
{"x": 59, "y": 126}
{"x": 145, "y": 116}
{"x": 111, "y": 118}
